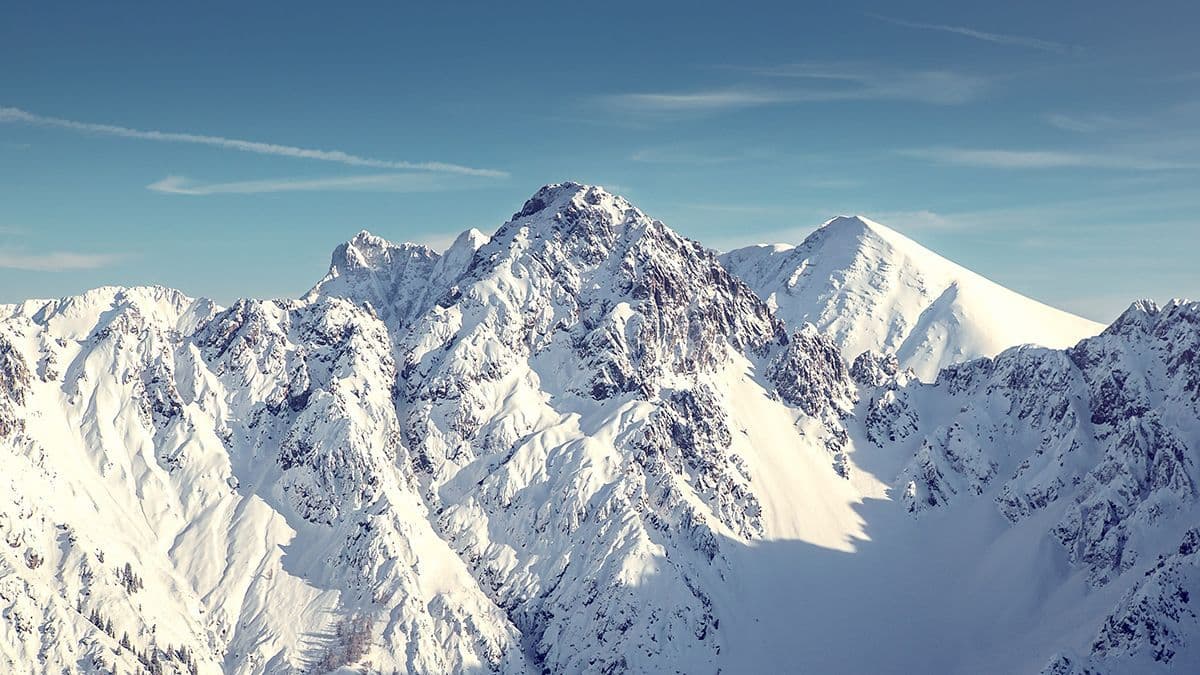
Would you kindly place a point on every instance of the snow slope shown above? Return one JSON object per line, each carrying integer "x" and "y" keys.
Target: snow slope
{"x": 871, "y": 288}
{"x": 581, "y": 445}
{"x": 241, "y": 461}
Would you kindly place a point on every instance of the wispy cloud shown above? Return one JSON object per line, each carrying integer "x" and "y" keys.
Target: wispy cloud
{"x": 57, "y": 261}
{"x": 18, "y": 116}
{"x": 812, "y": 83}
{"x": 1088, "y": 123}
{"x": 859, "y": 81}
{"x": 1087, "y": 213}
{"x": 742, "y": 209}
{"x": 620, "y": 189}
{"x": 18, "y": 258}
{"x": 713, "y": 99}
{"x": 387, "y": 182}
{"x": 828, "y": 183}
{"x": 997, "y": 38}
{"x": 1041, "y": 159}
{"x": 1183, "y": 77}
{"x": 696, "y": 156}
{"x": 921, "y": 219}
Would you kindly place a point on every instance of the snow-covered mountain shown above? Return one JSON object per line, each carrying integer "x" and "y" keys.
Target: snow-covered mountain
{"x": 583, "y": 445}
{"x": 400, "y": 281}
{"x": 871, "y": 288}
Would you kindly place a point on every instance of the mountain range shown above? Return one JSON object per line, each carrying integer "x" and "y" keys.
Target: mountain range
{"x": 586, "y": 443}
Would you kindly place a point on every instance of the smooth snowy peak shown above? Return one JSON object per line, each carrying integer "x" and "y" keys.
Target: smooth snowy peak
{"x": 852, "y": 226}
{"x": 872, "y": 288}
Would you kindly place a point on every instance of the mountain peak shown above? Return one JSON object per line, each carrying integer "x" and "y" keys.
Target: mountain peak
{"x": 1146, "y": 315}
{"x": 365, "y": 238}
{"x": 1144, "y": 306}
{"x": 556, "y": 197}
{"x": 471, "y": 239}
{"x": 857, "y": 227}
{"x": 874, "y": 289}
{"x": 850, "y": 223}
{"x": 397, "y": 280}
{"x": 368, "y": 251}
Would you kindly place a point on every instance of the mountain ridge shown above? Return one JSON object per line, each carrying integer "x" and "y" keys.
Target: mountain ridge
{"x": 580, "y": 445}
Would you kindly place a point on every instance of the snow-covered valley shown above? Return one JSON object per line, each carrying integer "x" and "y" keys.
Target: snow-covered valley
{"x": 585, "y": 443}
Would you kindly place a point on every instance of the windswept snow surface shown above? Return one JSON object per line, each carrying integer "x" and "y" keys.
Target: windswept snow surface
{"x": 871, "y": 288}
{"x": 582, "y": 445}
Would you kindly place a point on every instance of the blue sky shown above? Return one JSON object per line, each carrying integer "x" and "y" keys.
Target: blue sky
{"x": 225, "y": 149}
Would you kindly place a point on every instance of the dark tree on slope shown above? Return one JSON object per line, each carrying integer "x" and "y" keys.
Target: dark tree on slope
{"x": 131, "y": 581}
{"x": 353, "y": 639}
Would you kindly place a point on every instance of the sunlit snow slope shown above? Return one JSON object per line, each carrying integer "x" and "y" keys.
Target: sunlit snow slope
{"x": 869, "y": 287}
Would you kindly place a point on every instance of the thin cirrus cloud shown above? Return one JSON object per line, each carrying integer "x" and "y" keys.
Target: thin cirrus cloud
{"x": 996, "y": 38}
{"x": 867, "y": 82}
{"x": 18, "y": 116}
{"x": 1084, "y": 123}
{"x": 798, "y": 83}
{"x": 714, "y": 99}
{"x": 57, "y": 261}
{"x": 919, "y": 219}
{"x": 1041, "y": 159}
{"x": 15, "y": 258}
{"x": 387, "y": 182}
{"x": 693, "y": 156}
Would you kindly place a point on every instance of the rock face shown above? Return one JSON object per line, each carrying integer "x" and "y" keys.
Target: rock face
{"x": 1156, "y": 617}
{"x": 578, "y": 445}
{"x": 399, "y": 282}
{"x": 573, "y": 375}
{"x": 1100, "y": 441}
{"x": 1096, "y": 417}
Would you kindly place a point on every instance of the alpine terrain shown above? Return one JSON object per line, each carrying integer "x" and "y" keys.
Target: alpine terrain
{"x": 586, "y": 443}
{"x": 871, "y": 288}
